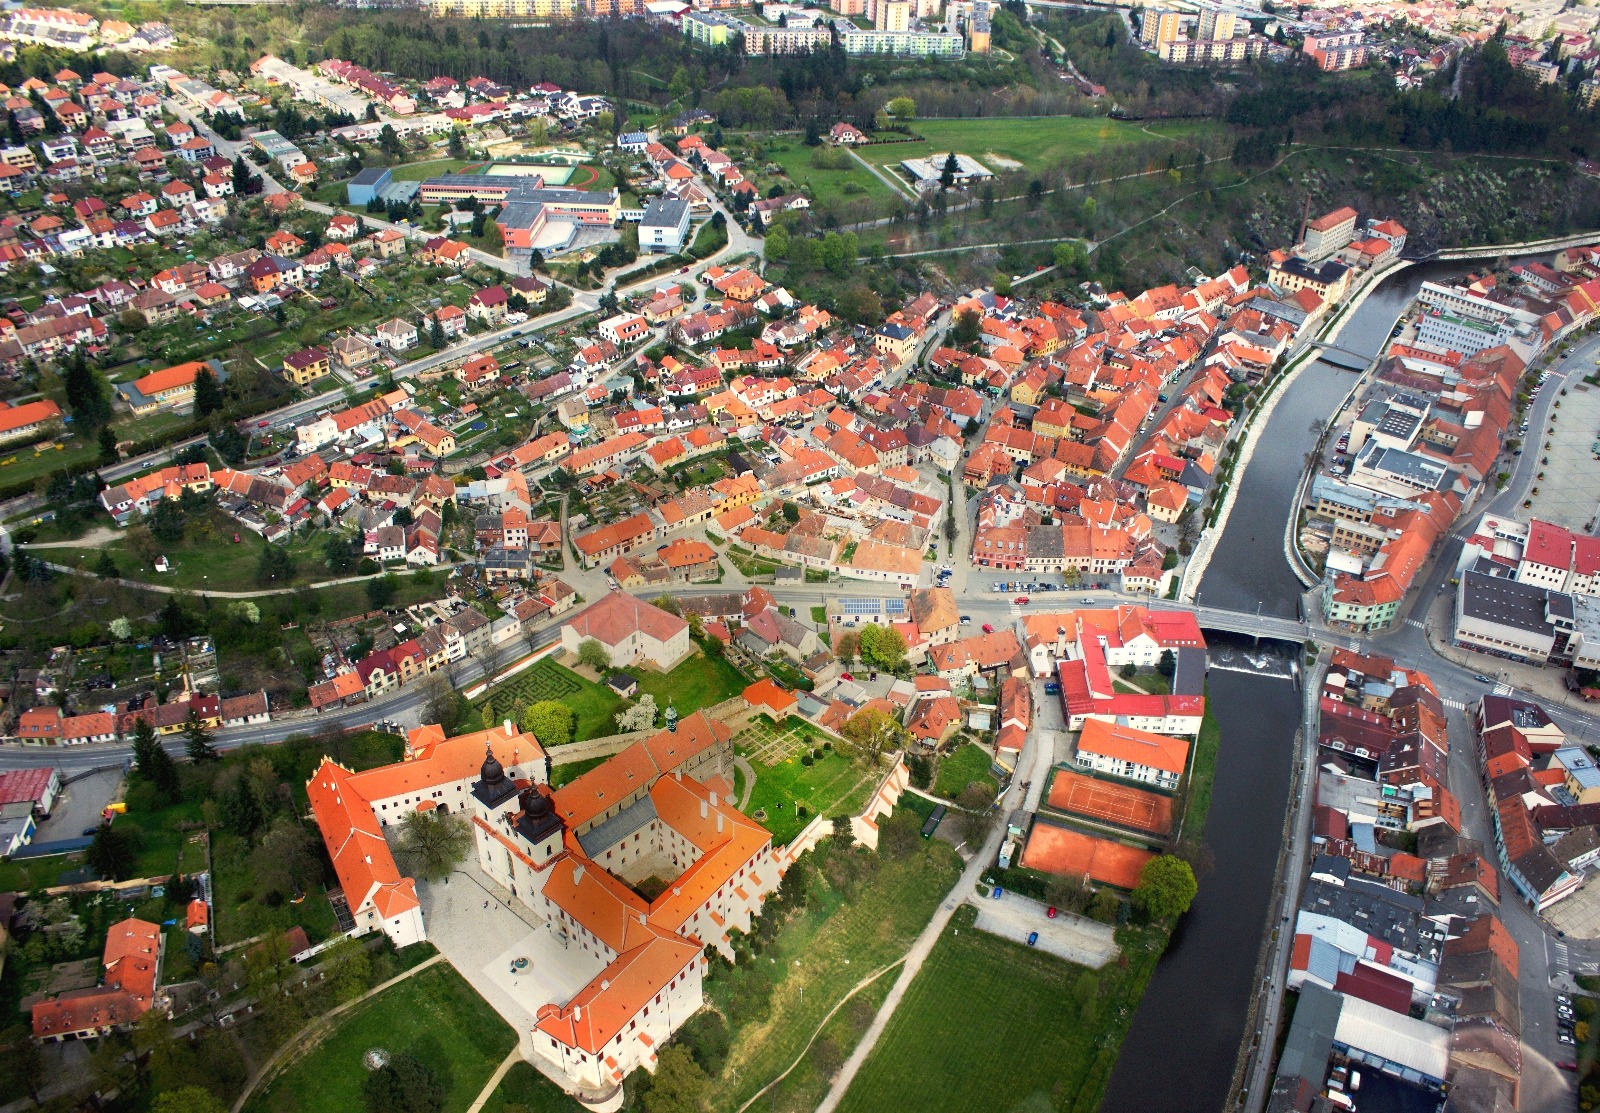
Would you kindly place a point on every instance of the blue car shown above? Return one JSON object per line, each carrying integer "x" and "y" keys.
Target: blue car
{"x": 1033, "y": 937}
{"x": 996, "y": 894}
{"x": 1052, "y": 687}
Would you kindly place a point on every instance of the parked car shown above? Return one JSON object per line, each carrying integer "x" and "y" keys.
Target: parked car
{"x": 1565, "y": 1037}
{"x": 1052, "y": 912}
{"x": 845, "y": 676}
{"x": 987, "y": 628}
{"x": 1567, "y": 1064}
{"x": 996, "y": 894}
{"x": 1052, "y": 687}
{"x": 1033, "y": 938}
{"x": 966, "y": 620}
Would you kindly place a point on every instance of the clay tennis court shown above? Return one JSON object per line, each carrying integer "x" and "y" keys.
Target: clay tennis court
{"x": 1058, "y": 850}
{"x": 1121, "y": 805}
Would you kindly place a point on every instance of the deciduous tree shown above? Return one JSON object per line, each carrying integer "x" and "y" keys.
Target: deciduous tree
{"x": 432, "y": 844}
{"x": 1166, "y": 888}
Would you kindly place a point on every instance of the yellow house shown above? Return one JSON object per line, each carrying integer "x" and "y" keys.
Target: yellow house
{"x": 895, "y": 341}
{"x": 741, "y": 490}
{"x": 1028, "y": 390}
{"x": 306, "y": 366}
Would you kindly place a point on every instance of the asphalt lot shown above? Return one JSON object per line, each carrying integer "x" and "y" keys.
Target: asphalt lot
{"x": 1070, "y": 937}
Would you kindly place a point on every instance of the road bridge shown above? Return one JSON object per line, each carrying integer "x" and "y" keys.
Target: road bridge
{"x": 1340, "y": 357}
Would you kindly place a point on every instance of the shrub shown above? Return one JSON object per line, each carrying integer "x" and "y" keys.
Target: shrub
{"x": 806, "y": 760}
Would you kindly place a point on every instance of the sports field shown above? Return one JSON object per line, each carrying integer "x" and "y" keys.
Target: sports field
{"x": 1069, "y": 853}
{"x": 1121, "y": 805}
{"x": 1035, "y": 143}
{"x": 552, "y": 174}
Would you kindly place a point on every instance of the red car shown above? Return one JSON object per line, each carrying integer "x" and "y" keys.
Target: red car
{"x": 987, "y": 629}
{"x": 1051, "y": 912}
{"x": 845, "y": 676}
{"x": 1567, "y": 1064}
{"x": 1021, "y": 600}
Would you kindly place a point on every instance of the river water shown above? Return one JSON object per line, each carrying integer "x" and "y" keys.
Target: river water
{"x": 1181, "y": 1050}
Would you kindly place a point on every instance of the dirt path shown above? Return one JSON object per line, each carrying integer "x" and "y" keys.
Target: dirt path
{"x": 749, "y": 780}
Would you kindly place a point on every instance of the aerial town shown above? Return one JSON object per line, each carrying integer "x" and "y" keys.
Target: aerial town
{"x": 699, "y": 556}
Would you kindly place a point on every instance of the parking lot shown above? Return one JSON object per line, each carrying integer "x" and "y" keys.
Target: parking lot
{"x": 1066, "y": 936}
{"x": 1565, "y": 479}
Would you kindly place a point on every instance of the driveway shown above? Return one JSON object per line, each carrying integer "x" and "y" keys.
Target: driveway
{"x": 1070, "y": 937}
{"x": 79, "y": 805}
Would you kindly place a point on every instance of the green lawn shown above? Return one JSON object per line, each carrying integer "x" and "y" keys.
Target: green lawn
{"x": 992, "y": 1024}
{"x": 594, "y": 704}
{"x": 1037, "y": 143}
{"x": 832, "y": 785}
{"x": 826, "y": 185}
{"x": 525, "y": 1090}
{"x": 816, "y": 959}
{"x": 417, "y": 171}
{"x": 207, "y": 558}
{"x": 969, "y": 763}
{"x": 435, "y": 1017}
{"x": 700, "y": 681}
{"x": 572, "y": 770}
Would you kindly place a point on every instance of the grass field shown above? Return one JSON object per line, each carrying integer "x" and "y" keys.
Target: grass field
{"x": 825, "y": 185}
{"x": 818, "y": 957}
{"x": 594, "y": 704}
{"x": 572, "y": 770}
{"x": 1036, "y": 143}
{"x": 434, "y": 1016}
{"x": 700, "y": 681}
{"x": 969, "y": 763}
{"x": 417, "y": 171}
{"x": 525, "y": 1090}
{"x": 980, "y": 1001}
{"x": 832, "y": 785}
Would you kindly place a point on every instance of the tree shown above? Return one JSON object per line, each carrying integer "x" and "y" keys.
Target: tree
{"x": 380, "y": 590}
{"x": 902, "y": 109}
{"x": 966, "y": 329}
{"x": 976, "y": 817}
{"x": 1168, "y": 664}
{"x": 187, "y": 1099}
{"x": 679, "y": 1085}
{"x": 23, "y": 1069}
{"x": 883, "y": 647}
{"x": 403, "y": 1085}
{"x": 444, "y": 706}
{"x": 791, "y": 512}
{"x": 339, "y": 554}
{"x": 947, "y": 173}
{"x": 168, "y": 521}
{"x": 847, "y": 646}
{"x": 1166, "y": 888}
{"x": 274, "y": 566}
{"x": 286, "y": 860}
{"x": 1070, "y": 258}
{"x": 432, "y": 844}
{"x": 197, "y": 739}
{"x": 593, "y": 654}
{"x": 107, "y": 438}
{"x": 105, "y": 566}
{"x": 641, "y": 716}
{"x": 550, "y": 721}
{"x": 87, "y": 396}
{"x": 873, "y": 731}
{"x": 921, "y": 769}
{"x": 111, "y": 853}
{"x": 207, "y": 393}
{"x": 152, "y": 761}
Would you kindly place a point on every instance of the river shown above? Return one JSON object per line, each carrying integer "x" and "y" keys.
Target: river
{"x": 1185, "y": 1039}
